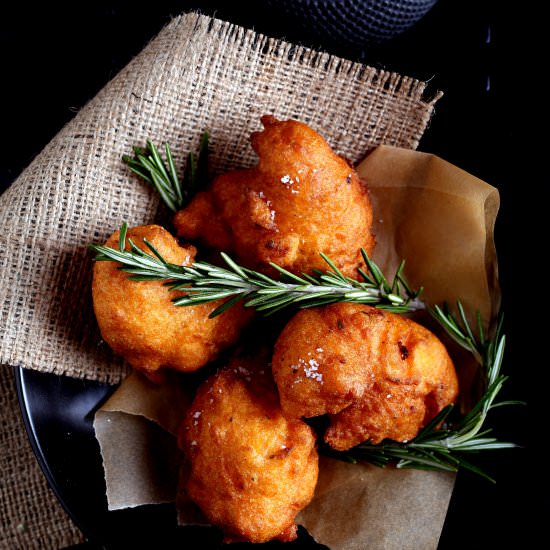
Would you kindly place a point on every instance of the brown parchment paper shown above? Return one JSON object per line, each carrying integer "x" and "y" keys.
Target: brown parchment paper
{"x": 441, "y": 220}
{"x": 136, "y": 430}
{"x": 359, "y": 506}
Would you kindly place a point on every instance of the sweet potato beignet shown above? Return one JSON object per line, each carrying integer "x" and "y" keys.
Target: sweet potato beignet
{"x": 250, "y": 469}
{"x": 301, "y": 199}
{"x": 139, "y": 322}
{"x": 378, "y": 374}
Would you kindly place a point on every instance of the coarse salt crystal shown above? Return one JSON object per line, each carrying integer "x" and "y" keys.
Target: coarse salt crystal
{"x": 312, "y": 373}
{"x": 287, "y": 180}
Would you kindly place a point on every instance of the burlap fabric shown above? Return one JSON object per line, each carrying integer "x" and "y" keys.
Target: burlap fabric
{"x": 30, "y": 516}
{"x": 198, "y": 73}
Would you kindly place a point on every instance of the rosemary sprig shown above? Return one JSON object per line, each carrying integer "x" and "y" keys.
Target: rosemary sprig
{"x": 433, "y": 448}
{"x": 447, "y": 448}
{"x": 203, "y": 282}
{"x": 149, "y": 165}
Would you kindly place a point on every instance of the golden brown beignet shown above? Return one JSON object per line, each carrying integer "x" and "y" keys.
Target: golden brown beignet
{"x": 139, "y": 322}
{"x": 251, "y": 470}
{"x": 379, "y": 375}
{"x": 301, "y": 199}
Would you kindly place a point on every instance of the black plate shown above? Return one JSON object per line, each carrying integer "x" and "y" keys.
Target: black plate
{"x": 464, "y": 48}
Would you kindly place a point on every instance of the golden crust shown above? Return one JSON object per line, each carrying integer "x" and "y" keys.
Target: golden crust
{"x": 377, "y": 374}
{"x": 301, "y": 199}
{"x": 139, "y": 322}
{"x": 250, "y": 469}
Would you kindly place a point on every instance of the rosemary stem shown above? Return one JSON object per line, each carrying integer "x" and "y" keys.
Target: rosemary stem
{"x": 432, "y": 448}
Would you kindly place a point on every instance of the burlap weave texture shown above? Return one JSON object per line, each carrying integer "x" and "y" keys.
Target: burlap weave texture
{"x": 198, "y": 73}
{"x": 30, "y": 516}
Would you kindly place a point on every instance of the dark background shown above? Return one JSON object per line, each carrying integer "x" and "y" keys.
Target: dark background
{"x": 480, "y": 53}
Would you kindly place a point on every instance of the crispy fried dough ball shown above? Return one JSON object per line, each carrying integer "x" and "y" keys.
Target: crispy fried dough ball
{"x": 250, "y": 469}
{"x": 139, "y": 321}
{"x": 301, "y": 199}
{"x": 379, "y": 375}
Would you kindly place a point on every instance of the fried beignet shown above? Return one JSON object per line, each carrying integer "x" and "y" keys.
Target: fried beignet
{"x": 301, "y": 199}
{"x": 139, "y": 322}
{"x": 250, "y": 469}
{"x": 378, "y": 375}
